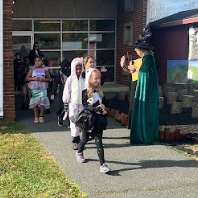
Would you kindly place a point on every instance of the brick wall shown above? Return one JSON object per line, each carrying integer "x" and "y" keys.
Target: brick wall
{"x": 138, "y": 17}
{"x": 9, "y": 96}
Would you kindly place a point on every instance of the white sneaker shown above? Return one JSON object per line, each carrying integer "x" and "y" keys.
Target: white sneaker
{"x": 80, "y": 158}
{"x": 104, "y": 168}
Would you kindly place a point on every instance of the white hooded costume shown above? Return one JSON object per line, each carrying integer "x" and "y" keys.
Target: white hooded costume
{"x": 73, "y": 93}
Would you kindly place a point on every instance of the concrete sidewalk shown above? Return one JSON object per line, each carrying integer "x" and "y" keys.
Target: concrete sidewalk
{"x": 137, "y": 171}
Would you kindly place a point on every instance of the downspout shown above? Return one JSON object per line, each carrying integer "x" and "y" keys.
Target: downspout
{"x": 1, "y": 58}
{"x": 148, "y": 12}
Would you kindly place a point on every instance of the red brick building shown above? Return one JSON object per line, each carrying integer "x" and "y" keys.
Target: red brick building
{"x": 68, "y": 29}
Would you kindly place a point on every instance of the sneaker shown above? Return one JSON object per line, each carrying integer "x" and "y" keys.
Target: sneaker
{"x": 60, "y": 121}
{"x": 79, "y": 157}
{"x": 104, "y": 168}
{"x": 36, "y": 120}
{"x": 75, "y": 146}
{"x": 41, "y": 119}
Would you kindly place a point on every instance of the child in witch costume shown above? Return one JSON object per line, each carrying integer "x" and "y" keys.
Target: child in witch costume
{"x": 72, "y": 95}
{"x": 60, "y": 80}
{"x": 93, "y": 101}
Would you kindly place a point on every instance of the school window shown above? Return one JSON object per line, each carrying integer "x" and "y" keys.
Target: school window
{"x": 128, "y": 33}
{"x": 68, "y": 38}
{"x": 128, "y": 5}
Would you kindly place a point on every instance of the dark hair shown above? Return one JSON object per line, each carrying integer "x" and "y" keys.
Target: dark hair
{"x": 35, "y": 43}
{"x": 25, "y": 57}
{"x": 16, "y": 54}
{"x": 38, "y": 58}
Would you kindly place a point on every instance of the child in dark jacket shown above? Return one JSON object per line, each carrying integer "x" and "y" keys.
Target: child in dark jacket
{"x": 60, "y": 80}
{"x": 93, "y": 101}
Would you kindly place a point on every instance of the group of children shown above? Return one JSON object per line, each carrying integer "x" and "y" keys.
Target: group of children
{"x": 81, "y": 87}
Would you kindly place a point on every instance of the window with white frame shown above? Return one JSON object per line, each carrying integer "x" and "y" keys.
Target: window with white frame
{"x": 68, "y": 38}
{"x": 128, "y": 33}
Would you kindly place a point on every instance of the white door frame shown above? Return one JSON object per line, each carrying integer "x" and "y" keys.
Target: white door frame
{"x": 1, "y": 58}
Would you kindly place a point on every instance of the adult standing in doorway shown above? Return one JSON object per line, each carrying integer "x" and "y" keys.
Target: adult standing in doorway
{"x": 35, "y": 52}
{"x": 145, "y": 116}
{"x": 133, "y": 69}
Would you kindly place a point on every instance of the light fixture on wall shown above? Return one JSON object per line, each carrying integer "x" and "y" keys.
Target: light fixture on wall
{"x": 13, "y": 3}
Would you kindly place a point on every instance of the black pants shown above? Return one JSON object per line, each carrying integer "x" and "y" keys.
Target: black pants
{"x": 60, "y": 112}
{"x": 131, "y": 98}
{"x": 98, "y": 140}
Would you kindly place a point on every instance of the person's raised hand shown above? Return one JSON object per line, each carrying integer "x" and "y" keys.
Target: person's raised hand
{"x": 104, "y": 112}
{"x": 131, "y": 67}
{"x": 122, "y": 61}
{"x": 103, "y": 69}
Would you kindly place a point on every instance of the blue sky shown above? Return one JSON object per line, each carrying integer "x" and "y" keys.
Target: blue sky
{"x": 174, "y": 5}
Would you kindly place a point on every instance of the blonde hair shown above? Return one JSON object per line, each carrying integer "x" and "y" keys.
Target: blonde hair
{"x": 91, "y": 88}
{"x": 146, "y": 51}
{"x": 86, "y": 58}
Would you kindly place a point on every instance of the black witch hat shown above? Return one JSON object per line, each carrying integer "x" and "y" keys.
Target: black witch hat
{"x": 143, "y": 40}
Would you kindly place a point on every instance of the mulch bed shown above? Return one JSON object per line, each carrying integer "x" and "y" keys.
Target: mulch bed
{"x": 187, "y": 125}
{"x": 166, "y": 118}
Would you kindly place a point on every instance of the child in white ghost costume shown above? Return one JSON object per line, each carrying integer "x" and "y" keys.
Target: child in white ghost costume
{"x": 72, "y": 96}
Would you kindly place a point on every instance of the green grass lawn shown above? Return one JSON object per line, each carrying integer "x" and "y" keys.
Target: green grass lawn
{"x": 28, "y": 170}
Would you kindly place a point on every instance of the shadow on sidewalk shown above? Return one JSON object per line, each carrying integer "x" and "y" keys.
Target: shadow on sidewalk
{"x": 146, "y": 164}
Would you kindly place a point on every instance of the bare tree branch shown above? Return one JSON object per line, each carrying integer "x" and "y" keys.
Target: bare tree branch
{"x": 158, "y": 10}
{"x": 192, "y": 4}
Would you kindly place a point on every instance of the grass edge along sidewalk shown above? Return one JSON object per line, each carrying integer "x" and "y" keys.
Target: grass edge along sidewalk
{"x": 28, "y": 170}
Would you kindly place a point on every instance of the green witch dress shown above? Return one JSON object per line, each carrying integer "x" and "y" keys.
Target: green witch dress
{"x": 145, "y": 117}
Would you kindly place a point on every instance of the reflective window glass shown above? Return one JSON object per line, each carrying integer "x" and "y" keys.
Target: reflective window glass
{"x": 22, "y": 45}
{"x": 109, "y": 74}
{"x": 46, "y": 25}
{"x": 75, "y": 25}
{"x": 21, "y": 25}
{"x": 103, "y": 57}
{"x": 102, "y": 25}
{"x": 75, "y": 41}
{"x": 51, "y": 56}
{"x": 103, "y": 40}
{"x": 48, "y": 41}
{"x": 70, "y": 55}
